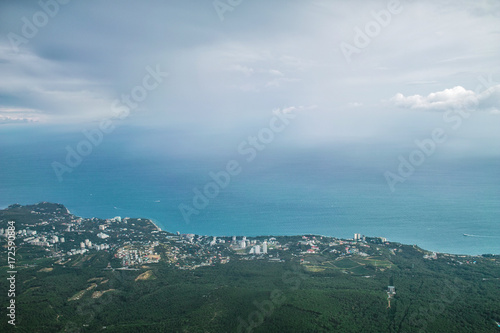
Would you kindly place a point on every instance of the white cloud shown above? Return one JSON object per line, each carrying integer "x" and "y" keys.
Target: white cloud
{"x": 17, "y": 110}
{"x": 19, "y": 115}
{"x": 457, "y": 97}
{"x": 489, "y": 100}
{"x": 291, "y": 109}
{"x": 17, "y": 119}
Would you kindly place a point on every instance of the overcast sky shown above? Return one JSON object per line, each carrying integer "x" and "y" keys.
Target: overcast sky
{"x": 347, "y": 76}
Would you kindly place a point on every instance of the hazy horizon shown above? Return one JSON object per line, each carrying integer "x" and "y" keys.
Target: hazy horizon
{"x": 394, "y": 99}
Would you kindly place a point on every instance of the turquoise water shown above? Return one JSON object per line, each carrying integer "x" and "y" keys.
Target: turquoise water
{"x": 326, "y": 191}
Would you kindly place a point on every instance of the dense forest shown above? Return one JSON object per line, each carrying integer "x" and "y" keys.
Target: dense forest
{"x": 260, "y": 296}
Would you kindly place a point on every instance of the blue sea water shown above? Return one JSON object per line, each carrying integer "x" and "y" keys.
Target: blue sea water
{"x": 328, "y": 191}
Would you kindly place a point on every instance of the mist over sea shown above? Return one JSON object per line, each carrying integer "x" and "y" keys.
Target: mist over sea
{"x": 335, "y": 191}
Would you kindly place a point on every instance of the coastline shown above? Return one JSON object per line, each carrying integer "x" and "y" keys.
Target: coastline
{"x": 391, "y": 239}
{"x": 155, "y": 224}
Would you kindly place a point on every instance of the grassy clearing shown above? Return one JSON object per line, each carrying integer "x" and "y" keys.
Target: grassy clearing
{"x": 345, "y": 264}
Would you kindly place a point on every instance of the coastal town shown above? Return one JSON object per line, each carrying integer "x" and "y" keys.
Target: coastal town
{"x": 53, "y": 230}
{"x": 118, "y": 265}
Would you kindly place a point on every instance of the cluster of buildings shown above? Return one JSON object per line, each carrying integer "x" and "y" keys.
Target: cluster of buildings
{"x": 252, "y": 246}
{"x": 138, "y": 254}
{"x": 139, "y": 241}
{"x": 54, "y": 228}
{"x": 30, "y": 237}
{"x": 320, "y": 244}
{"x": 136, "y": 245}
{"x": 87, "y": 245}
{"x": 194, "y": 251}
{"x": 363, "y": 238}
{"x": 431, "y": 256}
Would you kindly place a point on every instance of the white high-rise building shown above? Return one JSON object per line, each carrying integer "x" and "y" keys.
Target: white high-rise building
{"x": 243, "y": 244}
{"x": 264, "y": 248}
{"x": 357, "y": 237}
{"x": 102, "y": 235}
{"x": 257, "y": 249}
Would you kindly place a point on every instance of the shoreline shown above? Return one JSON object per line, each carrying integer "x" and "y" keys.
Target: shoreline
{"x": 155, "y": 224}
{"x": 255, "y": 235}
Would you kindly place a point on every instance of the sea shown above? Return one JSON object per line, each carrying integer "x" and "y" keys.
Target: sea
{"x": 449, "y": 204}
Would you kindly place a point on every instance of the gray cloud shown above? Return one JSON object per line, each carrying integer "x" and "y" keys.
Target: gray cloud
{"x": 224, "y": 77}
